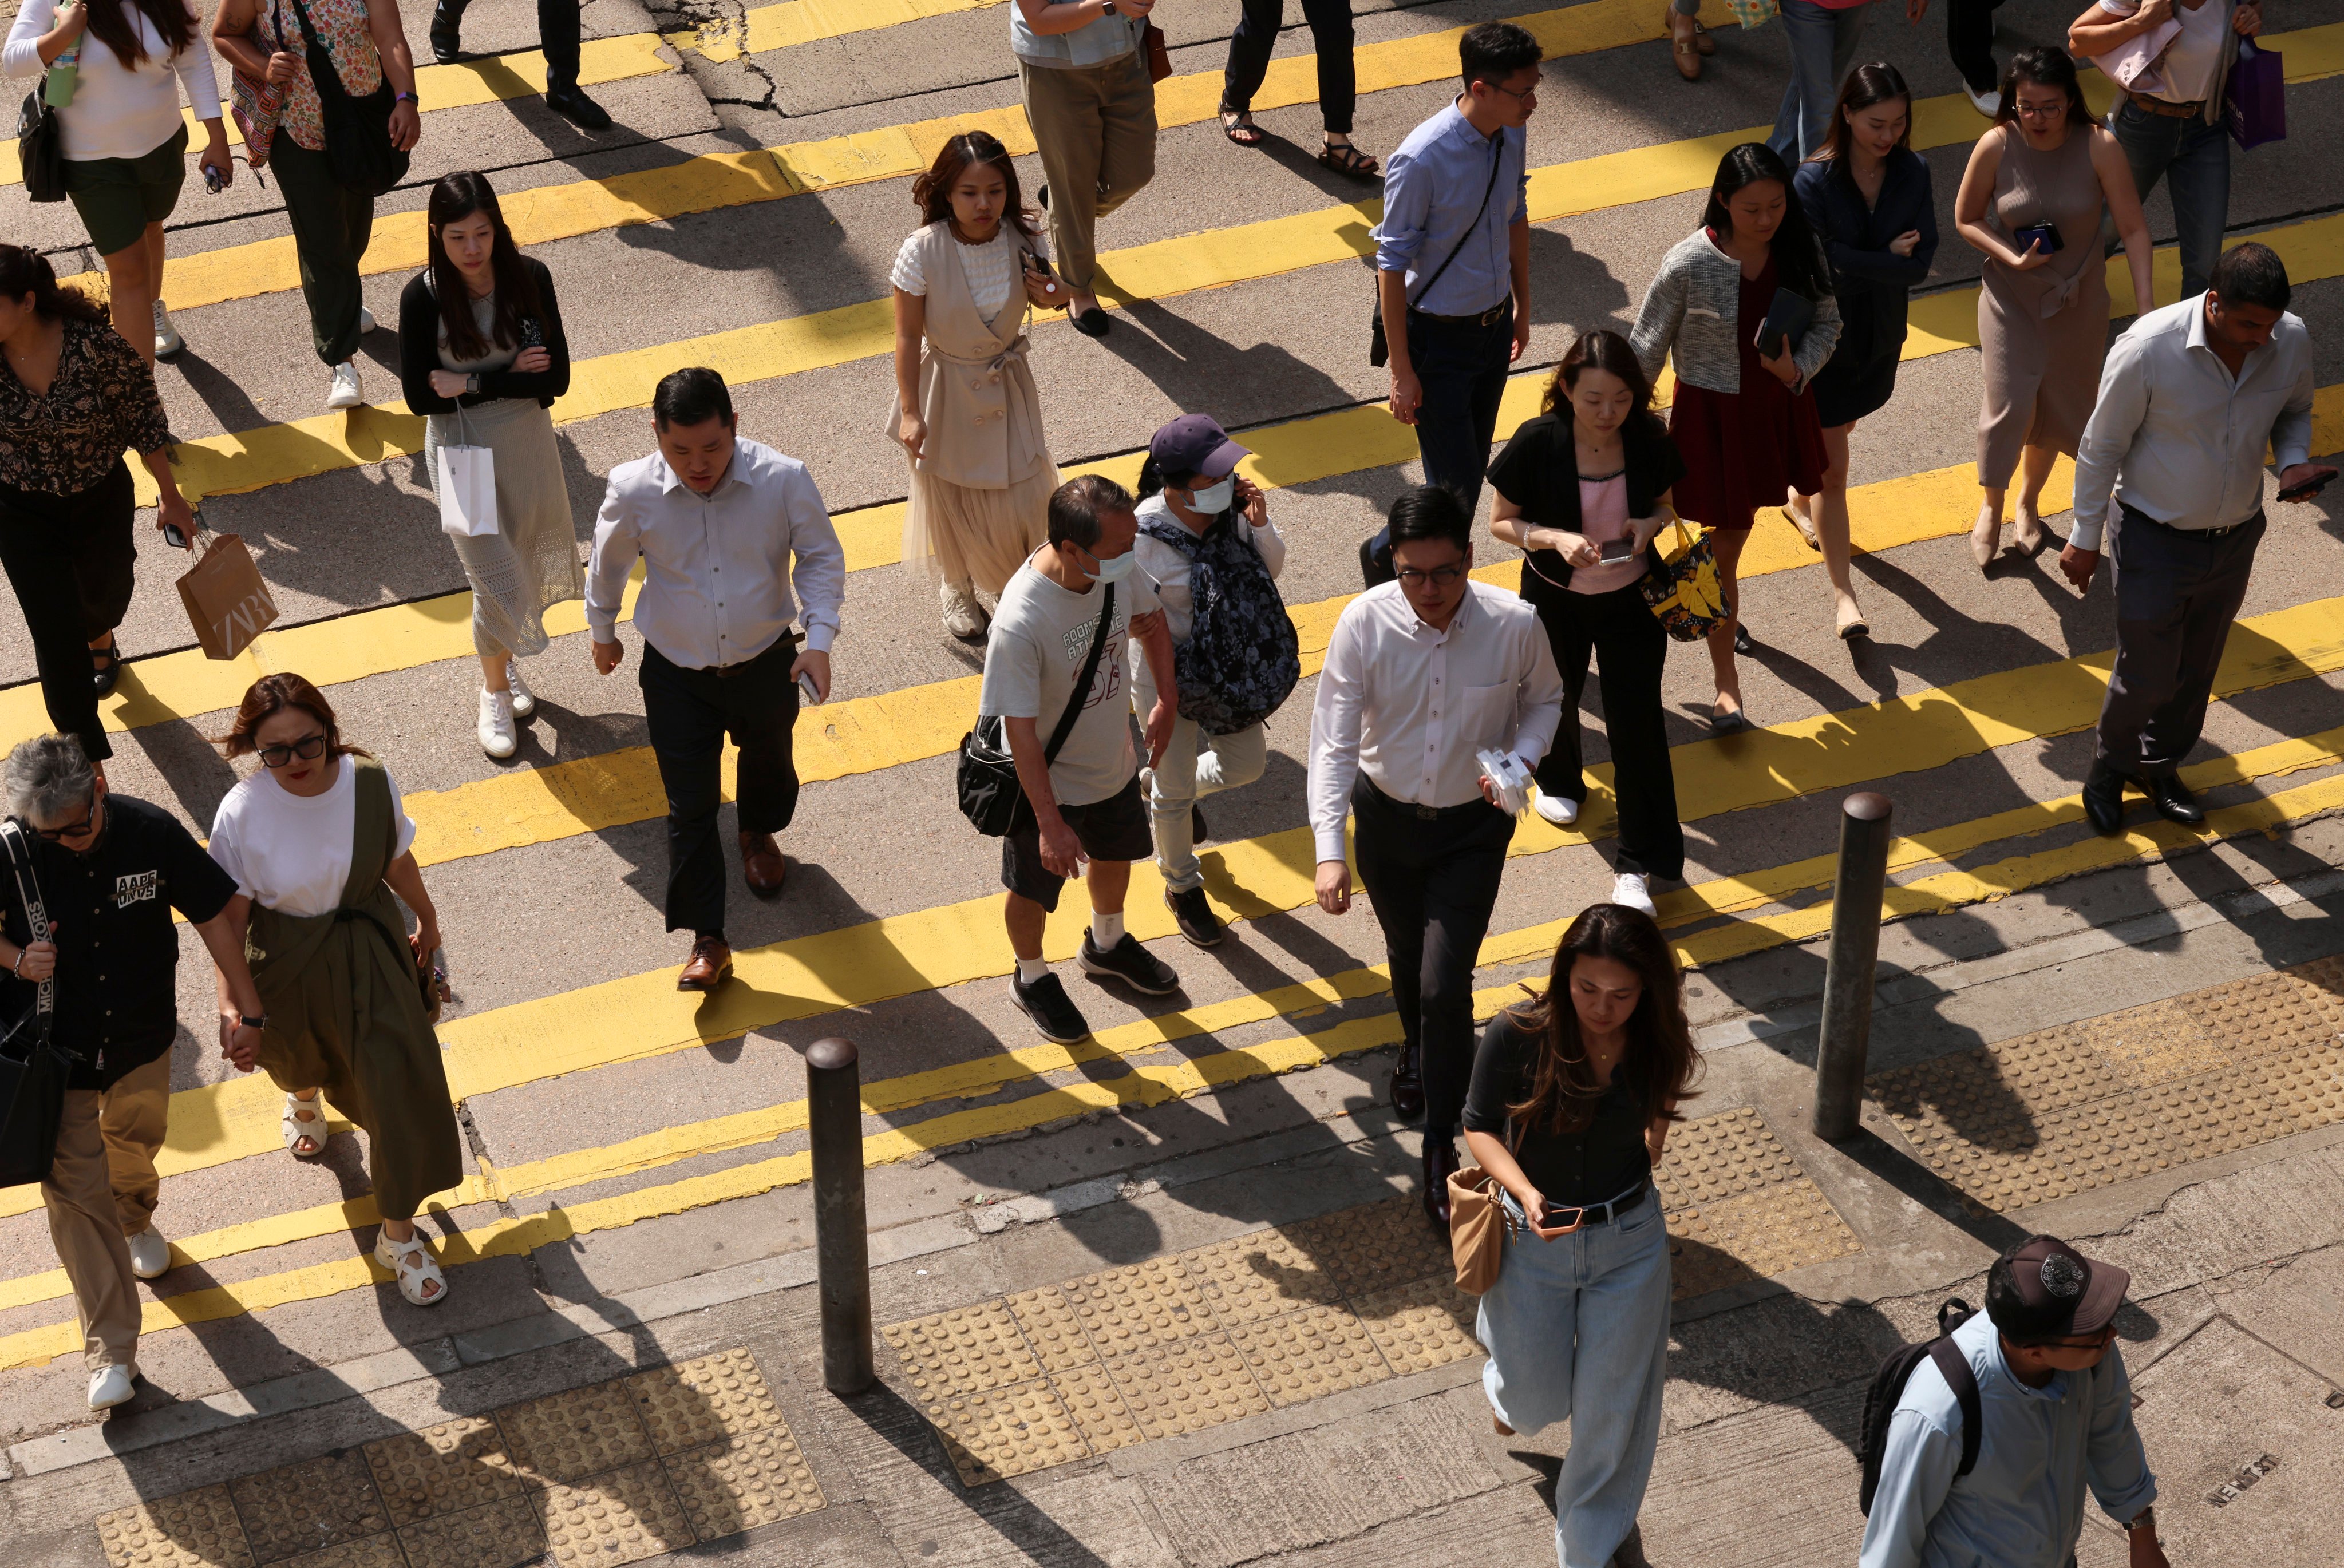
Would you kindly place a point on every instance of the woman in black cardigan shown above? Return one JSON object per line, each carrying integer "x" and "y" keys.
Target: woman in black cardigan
{"x": 481, "y": 352}
{"x": 1583, "y": 489}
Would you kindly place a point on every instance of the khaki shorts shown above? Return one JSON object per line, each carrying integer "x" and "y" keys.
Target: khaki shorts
{"x": 118, "y": 198}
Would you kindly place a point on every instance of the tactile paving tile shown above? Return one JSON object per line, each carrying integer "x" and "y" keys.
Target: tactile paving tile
{"x": 1052, "y": 1330}
{"x": 965, "y": 1351}
{"x": 754, "y": 1479}
{"x": 1718, "y": 1156}
{"x": 504, "y": 1534}
{"x": 1786, "y": 1226}
{"x": 1424, "y": 1323}
{"x": 1099, "y": 1413}
{"x": 1139, "y": 1306}
{"x": 1259, "y": 1276}
{"x": 367, "y": 1551}
{"x": 309, "y": 1505}
{"x": 1006, "y": 1431}
{"x": 570, "y": 1436}
{"x": 1305, "y": 1354}
{"x": 195, "y": 1529}
{"x": 2309, "y": 1084}
{"x": 1198, "y": 1382}
{"x": 622, "y": 1517}
{"x": 1996, "y": 1095}
{"x": 2156, "y": 1044}
{"x": 455, "y": 1465}
{"x": 2267, "y": 1014}
{"x": 1374, "y": 1246}
{"x": 703, "y": 1400}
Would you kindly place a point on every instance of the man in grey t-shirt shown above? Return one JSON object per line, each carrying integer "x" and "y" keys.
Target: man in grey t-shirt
{"x": 1083, "y": 804}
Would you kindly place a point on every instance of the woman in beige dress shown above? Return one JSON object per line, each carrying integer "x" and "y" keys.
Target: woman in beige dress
{"x": 966, "y": 409}
{"x": 2043, "y": 307}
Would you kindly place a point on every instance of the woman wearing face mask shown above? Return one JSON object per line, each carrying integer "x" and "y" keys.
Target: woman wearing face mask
{"x": 1570, "y": 1108}
{"x": 1744, "y": 418}
{"x": 482, "y": 354}
{"x": 966, "y": 410}
{"x": 1583, "y": 489}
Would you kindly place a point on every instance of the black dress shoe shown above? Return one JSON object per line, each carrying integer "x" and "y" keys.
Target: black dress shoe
{"x": 107, "y": 673}
{"x": 1440, "y": 1159}
{"x": 447, "y": 21}
{"x": 1407, "y": 1083}
{"x": 577, "y": 108}
{"x": 2173, "y": 800}
{"x": 2103, "y": 798}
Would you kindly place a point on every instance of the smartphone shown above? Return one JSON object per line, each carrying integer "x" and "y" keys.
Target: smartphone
{"x": 806, "y": 689}
{"x": 2309, "y": 489}
{"x": 211, "y": 179}
{"x": 1617, "y": 549}
{"x": 175, "y": 537}
{"x": 2043, "y": 236}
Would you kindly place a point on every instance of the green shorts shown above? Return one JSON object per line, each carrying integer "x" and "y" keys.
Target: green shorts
{"x": 118, "y": 198}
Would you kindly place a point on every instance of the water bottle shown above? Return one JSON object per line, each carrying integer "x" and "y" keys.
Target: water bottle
{"x": 65, "y": 71}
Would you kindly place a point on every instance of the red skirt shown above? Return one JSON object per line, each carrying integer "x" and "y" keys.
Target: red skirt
{"x": 1745, "y": 452}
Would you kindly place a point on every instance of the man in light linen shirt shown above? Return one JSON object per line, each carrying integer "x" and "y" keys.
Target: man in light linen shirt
{"x": 2192, "y": 394}
{"x": 727, "y": 529}
{"x": 1421, "y": 674}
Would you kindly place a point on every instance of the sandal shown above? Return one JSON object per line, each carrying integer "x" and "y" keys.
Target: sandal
{"x": 412, "y": 1264}
{"x": 1347, "y": 160}
{"x": 304, "y": 1119}
{"x": 1238, "y": 126}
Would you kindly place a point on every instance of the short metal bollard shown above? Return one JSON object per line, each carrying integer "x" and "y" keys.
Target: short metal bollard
{"x": 842, "y": 1239}
{"x": 1846, "y": 1036}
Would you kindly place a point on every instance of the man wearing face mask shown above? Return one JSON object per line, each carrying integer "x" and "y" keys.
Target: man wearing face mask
{"x": 1085, "y": 803}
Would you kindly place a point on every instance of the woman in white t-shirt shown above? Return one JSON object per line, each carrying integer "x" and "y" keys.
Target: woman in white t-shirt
{"x": 125, "y": 148}
{"x": 317, "y": 843}
{"x": 966, "y": 410}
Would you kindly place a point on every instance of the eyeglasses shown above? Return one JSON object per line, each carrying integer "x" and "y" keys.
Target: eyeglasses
{"x": 308, "y": 748}
{"x": 1439, "y": 577}
{"x": 1526, "y": 95}
{"x": 2042, "y": 111}
{"x": 71, "y": 829}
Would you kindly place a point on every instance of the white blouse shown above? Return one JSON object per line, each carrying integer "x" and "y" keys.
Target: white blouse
{"x": 992, "y": 267}
{"x": 290, "y": 852}
{"x": 117, "y": 111}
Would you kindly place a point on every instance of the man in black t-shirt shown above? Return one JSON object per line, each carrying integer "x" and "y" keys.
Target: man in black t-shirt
{"x": 110, "y": 871}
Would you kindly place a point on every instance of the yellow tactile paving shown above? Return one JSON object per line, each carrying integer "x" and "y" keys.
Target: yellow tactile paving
{"x": 974, "y": 1348}
{"x": 1770, "y": 1231}
{"x": 446, "y": 1469}
{"x": 1425, "y": 1324}
{"x": 1139, "y": 1307}
{"x": 742, "y": 1482}
{"x": 624, "y": 1516}
{"x": 307, "y": 1506}
{"x": 710, "y": 1399}
{"x": 196, "y": 1529}
{"x": 1716, "y": 1157}
{"x": 1373, "y": 1246}
{"x": 1006, "y": 1431}
{"x": 1261, "y": 1275}
{"x": 1188, "y": 1385}
{"x": 367, "y": 1551}
{"x": 568, "y": 1436}
{"x": 1303, "y": 1355}
{"x": 1099, "y": 1411}
{"x": 502, "y": 1534}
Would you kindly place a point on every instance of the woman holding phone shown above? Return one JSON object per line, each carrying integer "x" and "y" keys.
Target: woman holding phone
{"x": 1571, "y": 1099}
{"x": 966, "y": 410}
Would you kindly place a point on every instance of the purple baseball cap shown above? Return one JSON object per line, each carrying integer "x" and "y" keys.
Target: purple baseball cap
{"x": 1196, "y": 444}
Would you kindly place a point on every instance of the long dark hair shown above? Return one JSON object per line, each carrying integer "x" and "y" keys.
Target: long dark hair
{"x": 933, "y": 190}
{"x": 1798, "y": 260}
{"x": 1659, "y": 1064}
{"x": 1867, "y": 87}
{"x": 2044, "y": 66}
{"x": 272, "y": 695}
{"x": 1599, "y": 350}
{"x": 458, "y": 197}
{"x": 23, "y": 271}
{"x": 109, "y": 23}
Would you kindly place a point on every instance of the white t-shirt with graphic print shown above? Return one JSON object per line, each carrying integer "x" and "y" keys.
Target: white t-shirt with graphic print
{"x": 1041, "y": 635}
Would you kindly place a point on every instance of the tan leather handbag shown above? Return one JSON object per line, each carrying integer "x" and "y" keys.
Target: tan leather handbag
{"x": 1477, "y": 1227}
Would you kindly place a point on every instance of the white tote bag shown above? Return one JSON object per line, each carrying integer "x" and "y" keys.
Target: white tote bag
{"x": 468, "y": 488}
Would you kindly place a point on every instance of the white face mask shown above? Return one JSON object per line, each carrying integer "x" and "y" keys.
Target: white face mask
{"x": 1212, "y": 501}
{"x": 1114, "y": 568}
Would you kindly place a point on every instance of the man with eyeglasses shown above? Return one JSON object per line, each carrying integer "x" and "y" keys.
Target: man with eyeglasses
{"x": 2056, "y": 1409}
{"x": 110, "y": 871}
{"x": 1422, "y": 675}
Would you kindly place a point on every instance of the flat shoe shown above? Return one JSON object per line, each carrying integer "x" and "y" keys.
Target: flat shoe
{"x": 1854, "y": 629}
{"x": 1806, "y": 529}
{"x": 1729, "y": 723}
{"x": 1091, "y": 323}
{"x": 107, "y": 673}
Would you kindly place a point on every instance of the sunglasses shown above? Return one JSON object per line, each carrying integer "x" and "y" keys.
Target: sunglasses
{"x": 308, "y": 748}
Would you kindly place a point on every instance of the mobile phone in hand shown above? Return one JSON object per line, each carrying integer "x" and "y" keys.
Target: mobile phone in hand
{"x": 2310, "y": 488}
{"x": 211, "y": 179}
{"x": 175, "y": 536}
{"x": 806, "y": 689}
{"x": 1617, "y": 549}
{"x": 2042, "y": 236}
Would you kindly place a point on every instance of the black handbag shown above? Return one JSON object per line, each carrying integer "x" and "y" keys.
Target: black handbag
{"x": 990, "y": 795}
{"x": 1379, "y": 346}
{"x": 35, "y": 1071}
{"x": 40, "y": 147}
{"x": 357, "y": 130}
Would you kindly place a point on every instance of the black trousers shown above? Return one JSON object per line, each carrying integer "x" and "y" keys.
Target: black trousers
{"x": 689, "y": 712}
{"x": 1969, "y": 40}
{"x": 70, "y": 560}
{"x": 1462, "y": 366}
{"x": 1619, "y": 631}
{"x": 1433, "y": 883}
{"x": 2176, "y": 594}
{"x": 1331, "y": 39}
{"x": 558, "y": 34}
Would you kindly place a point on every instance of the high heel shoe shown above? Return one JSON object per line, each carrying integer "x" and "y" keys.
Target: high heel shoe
{"x": 1985, "y": 542}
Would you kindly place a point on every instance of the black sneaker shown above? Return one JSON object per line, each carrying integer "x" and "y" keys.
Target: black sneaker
{"x": 1054, "y": 1012}
{"x": 1193, "y": 913}
{"x": 1129, "y": 962}
{"x": 578, "y": 108}
{"x": 1196, "y": 833}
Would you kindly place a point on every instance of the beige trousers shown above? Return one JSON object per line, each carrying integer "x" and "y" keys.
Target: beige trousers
{"x": 1094, "y": 126}
{"x": 101, "y": 1189}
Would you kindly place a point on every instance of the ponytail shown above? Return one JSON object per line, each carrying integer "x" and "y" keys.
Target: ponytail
{"x": 1151, "y": 477}
{"x": 23, "y": 271}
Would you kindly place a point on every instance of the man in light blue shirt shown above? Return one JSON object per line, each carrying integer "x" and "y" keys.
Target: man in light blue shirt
{"x": 2057, "y": 1425}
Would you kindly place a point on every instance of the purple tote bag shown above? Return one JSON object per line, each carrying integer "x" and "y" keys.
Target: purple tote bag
{"x": 2257, "y": 96}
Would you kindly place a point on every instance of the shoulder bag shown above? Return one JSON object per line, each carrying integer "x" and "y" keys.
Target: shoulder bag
{"x": 1155, "y": 51}
{"x": 1479, "y": 1225}
{"x": 357, "y": 130}
{"x": 990, "y": 795}
{"x": 35, "y": 1071}
{"x": 1379, "y": 346}
{"x": 40, "y": 149}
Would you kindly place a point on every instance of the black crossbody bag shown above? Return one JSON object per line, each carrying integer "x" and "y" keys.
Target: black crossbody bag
{"x": 35, "y": 1071}
{"x": 40, "y": 147}
{"x": 990, "y": 795}
{"x": 1379, "y": 346}
{"x": 357, "y": 130}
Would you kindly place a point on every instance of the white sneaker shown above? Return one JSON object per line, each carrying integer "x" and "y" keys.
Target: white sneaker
{"x": 1559, "y": 810}
{"x": 168, "y": 341}
{"x": 964, "y": 617}
{"x": 345, "y": 393}
{"x": 1628, "y": 889}
{"x": 150, "y": 1255}
{"x": 496, "y": 724}
{"x": 110, "y": 1386}
{"x": 524, "y": 700}
{"x": 1988, "y": 104}
{"x": 365, "y": 319}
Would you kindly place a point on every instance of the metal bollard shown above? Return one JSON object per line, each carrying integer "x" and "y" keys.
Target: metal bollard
{"x": 1846, "y": 1035}
{"x": 841, "y": 1236}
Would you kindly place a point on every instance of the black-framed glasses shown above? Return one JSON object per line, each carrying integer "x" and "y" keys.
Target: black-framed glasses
{"x": 308, "y": 748}
{"x": 72, "y": 829}
{"x": 1439, "y": 577}
{"x": 1526, "y": 95}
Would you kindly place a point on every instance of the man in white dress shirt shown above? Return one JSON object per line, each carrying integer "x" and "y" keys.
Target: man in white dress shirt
{"x": 727, "y": 529}
{"x": 1421, "y": 674}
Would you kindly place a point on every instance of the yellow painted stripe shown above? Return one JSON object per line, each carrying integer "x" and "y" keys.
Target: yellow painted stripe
{"x": 808, "y": 20}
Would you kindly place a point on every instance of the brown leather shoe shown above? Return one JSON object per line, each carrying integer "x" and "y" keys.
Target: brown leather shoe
{"x": 711, "y": 965}
{"x": 761, "y": 864}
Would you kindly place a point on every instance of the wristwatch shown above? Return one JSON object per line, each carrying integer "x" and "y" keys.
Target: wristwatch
{"x": 407, "y": 98}
{"x": 260, "y": 1022}
{"x": 473, "y": 384}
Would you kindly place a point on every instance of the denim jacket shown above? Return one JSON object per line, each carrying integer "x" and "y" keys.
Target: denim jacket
{"x": 1092, "y": 44}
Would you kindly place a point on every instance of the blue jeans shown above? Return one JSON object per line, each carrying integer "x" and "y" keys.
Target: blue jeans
{"x": 2194, "y": 158}
{"x": 1462, "y": 365}
{"x": 1578, "y": 1329}
{"x": 1822, "y": 52}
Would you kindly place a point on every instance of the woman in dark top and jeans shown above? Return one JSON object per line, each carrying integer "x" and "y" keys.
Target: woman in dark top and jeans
{"x": 1569, "y": 1111}
{"x": 1867, "y": 196}
{"x": 1594, "y": 469}
{"x": 73, "y": 396}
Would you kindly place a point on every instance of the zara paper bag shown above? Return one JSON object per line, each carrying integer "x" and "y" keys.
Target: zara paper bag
{"x": 468, "y": 490}
{"x": 225, "y": 599}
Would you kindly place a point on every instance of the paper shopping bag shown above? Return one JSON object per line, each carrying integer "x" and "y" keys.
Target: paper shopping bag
{"x": 225, "y": 596}
{"x": 2257, "y": 96}
{"x": 468, "y": 492}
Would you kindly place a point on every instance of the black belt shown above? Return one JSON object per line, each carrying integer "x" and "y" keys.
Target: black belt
{"x": 1601, "y": 1213}
{"x": 2134, "y": 515}
{"x": 1424, "y": 813}
{"x": 1488, "y": 317}
{"x": 781, "y": 645}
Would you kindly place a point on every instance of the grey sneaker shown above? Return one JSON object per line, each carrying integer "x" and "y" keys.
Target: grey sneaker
{"x": 1129, "y": 962}
{"x": 1054, "y": 1012}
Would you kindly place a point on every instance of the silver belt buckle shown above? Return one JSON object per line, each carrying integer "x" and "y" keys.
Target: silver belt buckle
{"x": 1425, "y": 813}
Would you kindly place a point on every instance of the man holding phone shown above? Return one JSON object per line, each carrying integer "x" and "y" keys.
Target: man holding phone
{"x": 2191, "y": 396}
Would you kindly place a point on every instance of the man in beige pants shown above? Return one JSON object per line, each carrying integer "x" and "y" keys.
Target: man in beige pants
{"x": 109, "y": 870}
{"x": 1088, "y": 97}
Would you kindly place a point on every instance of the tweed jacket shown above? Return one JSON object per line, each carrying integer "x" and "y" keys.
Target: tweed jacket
{"x": 1693, "y": 307}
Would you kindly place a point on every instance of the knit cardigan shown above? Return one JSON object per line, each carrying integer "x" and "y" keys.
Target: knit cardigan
{"x": 1695, "y": 307}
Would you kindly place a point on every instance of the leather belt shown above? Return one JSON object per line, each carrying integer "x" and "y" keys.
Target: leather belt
{"x": 2167, "y": 106}
{"x": 1489, "y": 317}
{"x": 1586, "y": 1214}
{"x": 2134, "y": 515}
{"x": 1425, "y": 813}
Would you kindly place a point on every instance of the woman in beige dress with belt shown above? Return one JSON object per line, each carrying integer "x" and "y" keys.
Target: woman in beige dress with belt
{"x": 966, "y": 409}
{"x": 2043, "y": 307}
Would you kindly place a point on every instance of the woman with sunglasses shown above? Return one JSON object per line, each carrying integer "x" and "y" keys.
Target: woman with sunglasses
{"x": 1571, "y": 1099}
{"x": 317, "y": 843}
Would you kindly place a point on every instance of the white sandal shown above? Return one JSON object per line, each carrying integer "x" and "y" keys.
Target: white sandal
{"x": 304, "y": 1119}
{"x": 411, "y": 1263}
